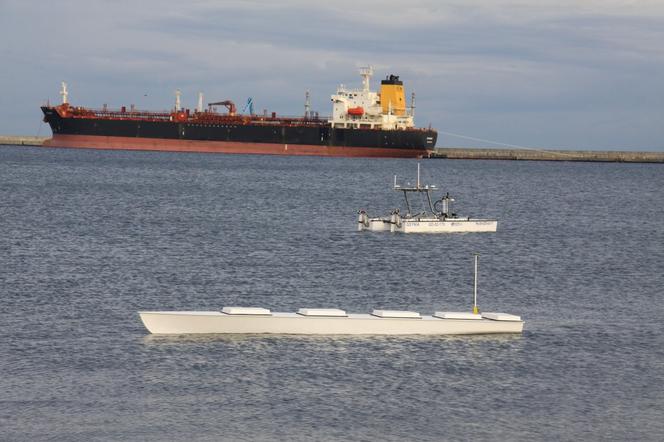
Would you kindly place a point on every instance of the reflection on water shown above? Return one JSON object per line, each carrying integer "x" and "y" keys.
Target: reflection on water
{"x": 359, "y": 339}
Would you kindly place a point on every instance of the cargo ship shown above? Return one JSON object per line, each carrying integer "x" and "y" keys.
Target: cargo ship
{"x": 364, "y": 123}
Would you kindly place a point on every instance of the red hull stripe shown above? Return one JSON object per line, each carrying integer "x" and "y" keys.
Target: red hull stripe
{"x": 166, "y": 145}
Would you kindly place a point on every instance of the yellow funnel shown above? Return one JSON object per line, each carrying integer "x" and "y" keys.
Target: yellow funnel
{"x": 392, "y": 95}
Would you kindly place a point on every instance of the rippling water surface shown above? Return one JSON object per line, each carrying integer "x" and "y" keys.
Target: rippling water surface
{"x": 88, "y": 238}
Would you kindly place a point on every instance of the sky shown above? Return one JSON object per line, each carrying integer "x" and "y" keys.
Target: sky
{"x": 549, "y": 74}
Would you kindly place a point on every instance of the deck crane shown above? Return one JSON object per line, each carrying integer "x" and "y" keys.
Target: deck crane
{"x": 250, "y": 105}
{"x": 232, "y": 110}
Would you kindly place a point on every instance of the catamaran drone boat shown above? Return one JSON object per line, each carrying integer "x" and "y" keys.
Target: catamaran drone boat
{"x": 439, "y": 218}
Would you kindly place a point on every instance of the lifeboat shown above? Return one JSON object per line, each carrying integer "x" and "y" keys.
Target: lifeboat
{"x": 356, "y": 111}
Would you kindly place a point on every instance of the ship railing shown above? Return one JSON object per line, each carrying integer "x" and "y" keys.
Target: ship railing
{"x": 210, "y": 118}
{"x": 119, "y": 114}
{"x": 215, "y": 118}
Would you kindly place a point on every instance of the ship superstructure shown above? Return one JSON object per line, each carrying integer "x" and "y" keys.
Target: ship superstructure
{"x": 365, "y": 109}
{"x": 363, "y": 123}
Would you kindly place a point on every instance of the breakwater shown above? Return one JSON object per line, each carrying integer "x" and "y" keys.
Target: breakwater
{"x": 22, "y": 140}
{"x": 548, "y": 155}
{"x": 470, "y": 153}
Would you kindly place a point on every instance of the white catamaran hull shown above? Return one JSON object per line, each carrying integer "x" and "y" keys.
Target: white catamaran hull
{"x": 185, "y": 322}
{"x": 434, "y": 225}
{"x": 430, "y": 225}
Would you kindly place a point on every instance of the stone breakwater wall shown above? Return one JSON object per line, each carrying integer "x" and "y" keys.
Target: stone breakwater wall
{"x": 22, "y": 141}
{"x": 548, "y": 155}
{"x": 457, "y": 153}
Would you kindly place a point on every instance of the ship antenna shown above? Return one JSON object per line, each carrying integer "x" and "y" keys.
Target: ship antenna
{"x": 366, "y": 73}
{"x": 476, "y": 310}
{"x": 307, "y": 104}
{"x": 177, "y": 99}
{"x": 412, "y": 104}
{"x": 64, "y": 93}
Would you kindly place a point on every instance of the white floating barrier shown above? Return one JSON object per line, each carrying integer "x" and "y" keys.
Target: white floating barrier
{"x": 457, "y": 315}
{"x": 501, "y": 316}
{"x": 321, "y": 312}
{"x": 245, "y": 311}
{"x": 396, "y": 314}
{"x": 331, "y": 321}
{"x": 187, "y": 322}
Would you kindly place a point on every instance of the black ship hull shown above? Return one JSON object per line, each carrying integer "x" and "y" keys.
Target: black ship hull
{"x": 315, "y": 138}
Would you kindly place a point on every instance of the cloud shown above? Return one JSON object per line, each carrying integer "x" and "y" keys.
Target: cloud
{"x": 550, "y": 73}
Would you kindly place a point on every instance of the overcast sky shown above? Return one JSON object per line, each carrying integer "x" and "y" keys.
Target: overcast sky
{"x": 544, "y": 74}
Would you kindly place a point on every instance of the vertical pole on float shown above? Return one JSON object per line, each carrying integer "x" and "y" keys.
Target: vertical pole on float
{"x": 418, "y": 175}
{"x": 475, "y": 308}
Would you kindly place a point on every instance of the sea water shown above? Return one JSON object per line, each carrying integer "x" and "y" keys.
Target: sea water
{"x": 88, "y": 238}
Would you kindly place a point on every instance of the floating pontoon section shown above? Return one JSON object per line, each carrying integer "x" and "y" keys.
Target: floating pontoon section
{"x": 501, "y": 317}
{"x": 396, "y": 314}
{"x": 457, "y": 315}
{"x": 334, "y": 312}
{"x": 245, "y": 311}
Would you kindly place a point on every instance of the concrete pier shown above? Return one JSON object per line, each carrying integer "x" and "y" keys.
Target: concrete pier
{"x": 548, "y": 155}
{"x": 22, "y": 140}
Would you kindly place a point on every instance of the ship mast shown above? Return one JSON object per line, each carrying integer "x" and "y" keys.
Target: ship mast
{"x": 64, "y": 93}
{"x": 177, "y": 99}
{"x": 366, "y": 73}
{"x": 199, "y": 108}
{"x": 412, "y": 105}
{"x": 307, "y": 104}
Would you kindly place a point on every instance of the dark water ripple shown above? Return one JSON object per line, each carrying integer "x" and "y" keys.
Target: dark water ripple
{"x": 88, "y": 238}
